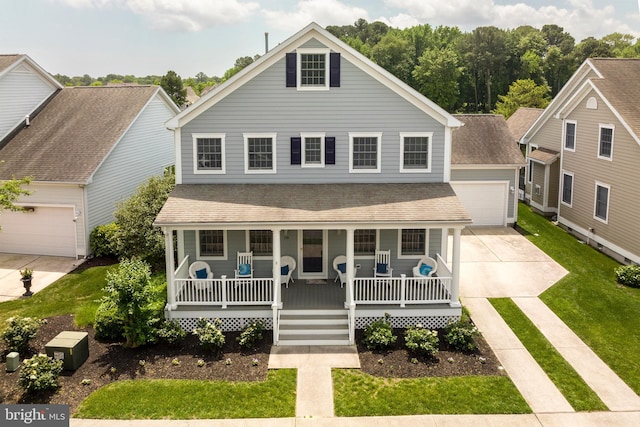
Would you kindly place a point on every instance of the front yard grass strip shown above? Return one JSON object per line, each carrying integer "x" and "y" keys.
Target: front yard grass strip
{"x": 579, "y": 395}
{"x": 601, "y": 312}
{"x": 357, "y": 394}
{"x": 191, "y": 399}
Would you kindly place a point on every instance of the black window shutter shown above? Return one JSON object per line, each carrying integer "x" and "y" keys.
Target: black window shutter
{"x": 330, "y": 150}
{"x": 334, "y": 69}
{"x": 291, "y": 69}
{"x": 296, "y": 150}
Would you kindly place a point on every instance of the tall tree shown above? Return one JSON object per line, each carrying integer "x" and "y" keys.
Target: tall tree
{"x": 437, "y": 74}
{"x": 395, "y": 54}
{"x": 172, "y": 84}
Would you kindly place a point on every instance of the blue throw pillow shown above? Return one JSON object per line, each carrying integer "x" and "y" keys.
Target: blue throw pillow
{"x": 244, "y": 269}
{"x": 342, "y": 268}
{"x": 425, "y": 269}
{"x": 201, "y": 274}
{"x": 284, "y": 270}
{"x": 381, "y": 268}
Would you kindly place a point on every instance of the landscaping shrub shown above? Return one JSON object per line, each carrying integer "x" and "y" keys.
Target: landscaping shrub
{"x": 251, "y": 334}
{"x": 108, "y": 324}
{"x": 103, "y": 240}
{"x": 378, "y": 335}
{"x": 21, "y": 330}
{"x": 421, "y": 341}
{"x": 39, "y": 373}
{"x": 461, "y": 335}
{"x": 171, "y": 332}
{"x": 209, "y": 334}
{"x": 628, "y": 275}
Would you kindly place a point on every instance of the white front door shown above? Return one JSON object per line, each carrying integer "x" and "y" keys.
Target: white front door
{"x": 312, "y": 254}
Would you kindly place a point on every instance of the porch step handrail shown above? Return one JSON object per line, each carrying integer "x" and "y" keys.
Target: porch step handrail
{"x": 224, "y": 291}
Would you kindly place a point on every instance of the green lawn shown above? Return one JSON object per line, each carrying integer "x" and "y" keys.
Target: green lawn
{"x": 570, "y": 384}
{"x": 604, "y": 314}
{"x": 187, "y": 399}
{"x": 358, "y": 394}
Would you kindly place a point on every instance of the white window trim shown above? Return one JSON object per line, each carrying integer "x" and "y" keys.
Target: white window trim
{"x": 313, "y": 51}
{"x": 595, "y": 201}
{"x": 274, "y": 162}
{"x": 564, "y": 135}
{"x": 219, "y": 258}
{"x": 353, "y": 135}
{"x": 573, "y": 180}
{"x": 373, "y": 256}
{"x": 197, "y": 136}
{"x": 305, "y": 135}
{"x": 613, "y": 132}
{"x": 404, "y": 135}
{"x": 529, "y": 170}
{"x": 413, "y": 256}
{"x": 247, "y": 240}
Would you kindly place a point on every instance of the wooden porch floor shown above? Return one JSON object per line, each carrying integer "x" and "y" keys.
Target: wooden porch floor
{"x": 305, "y": 294}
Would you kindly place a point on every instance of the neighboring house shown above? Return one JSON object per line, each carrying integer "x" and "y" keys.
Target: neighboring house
{"x": 191, "y": 96}
{"x": 24, "y": 88}
{"x": 519, "y": 123}
{"x": 584, "y": 153}
{"x": 314, "y": 153}
{"x": 86, "y": 149}
{"x": 485, "y": 166}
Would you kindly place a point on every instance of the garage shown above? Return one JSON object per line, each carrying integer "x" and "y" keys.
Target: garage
{"x": 486, "y": 202}
{"x": 42, "y": 230}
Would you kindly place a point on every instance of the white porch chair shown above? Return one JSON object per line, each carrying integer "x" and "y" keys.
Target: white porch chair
{"x": 426, "y": 267}
{"x": 287, "y": 265}
{"x": 200, "y": 270}
{"x": 244, "y": 265}
{"x": 340, "y": 266}
{"x": 382, "y": 264}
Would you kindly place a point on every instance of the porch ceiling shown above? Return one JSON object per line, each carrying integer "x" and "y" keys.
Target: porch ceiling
{"x": 242, "y": 204}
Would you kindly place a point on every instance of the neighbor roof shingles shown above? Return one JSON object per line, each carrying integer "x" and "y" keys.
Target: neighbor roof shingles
{"x": 72, "y": 135}
{"x": 484, "y": 139}
{"x": 7, "y": 60}
{"x": 520, "y": 121}
{"x": 193, "y": 204}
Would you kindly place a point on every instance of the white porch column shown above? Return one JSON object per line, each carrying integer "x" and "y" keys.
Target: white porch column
{"x": 170, "y": 262}
{"x": 350, "y": 258}
{"x": 455, "y": 269}
{"x": 276, "y": 252}
{"x": 444, "y": 244}
{"x": 277, "y": 289}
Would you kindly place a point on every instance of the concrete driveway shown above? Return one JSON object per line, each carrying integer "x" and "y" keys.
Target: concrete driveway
{"x": 46, "y": 270}
{"x": 500, "y": 262}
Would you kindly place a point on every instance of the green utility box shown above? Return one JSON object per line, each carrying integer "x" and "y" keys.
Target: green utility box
{"x": 71, "y": 347}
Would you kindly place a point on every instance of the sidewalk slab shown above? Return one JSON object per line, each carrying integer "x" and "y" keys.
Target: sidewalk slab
{"x": 591, "y": 419}
{"x": 314, "y": 396}
{"x": 528, "y": 377}
{"x": 614, "y": 392}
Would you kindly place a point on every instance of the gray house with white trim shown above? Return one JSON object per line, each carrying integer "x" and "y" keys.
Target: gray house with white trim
{"x": 311, "y": 160}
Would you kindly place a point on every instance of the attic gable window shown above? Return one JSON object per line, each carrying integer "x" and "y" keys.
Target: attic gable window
{"x": 313, "y": 69}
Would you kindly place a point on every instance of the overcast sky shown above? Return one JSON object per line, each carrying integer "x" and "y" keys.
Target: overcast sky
{"x": 150, "y": 37}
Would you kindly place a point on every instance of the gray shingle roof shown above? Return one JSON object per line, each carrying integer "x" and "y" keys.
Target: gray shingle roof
{"x": 7, "y": 60}
{"x": 544, "y": 155}
{"x": 72, "y": 135}
{"x": 484, "y": 139}
{"x": 228, "y": 204}
{"x": 521, "y": 121}
{"x": 620, "y": 85}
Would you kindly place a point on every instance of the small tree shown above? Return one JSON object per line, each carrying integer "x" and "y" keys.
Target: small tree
{"x": 172, "y": 84}
{"x": 129, "y": 288}
{"x": 10, "y": 191}
{"x": 522, "y": 93}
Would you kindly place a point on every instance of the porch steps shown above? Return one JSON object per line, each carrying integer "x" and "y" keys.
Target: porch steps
{"x": 314, "y": 327}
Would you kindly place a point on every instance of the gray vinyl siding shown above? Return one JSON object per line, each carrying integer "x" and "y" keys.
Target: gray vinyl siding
{"x": 538, "y": 179}
{"x": 554, "y": 185}
{"x": 22, "y": 90}
{"x": 144, "y": 151}
{"x": 490, "y": 175}
{"x": 265, "y": 105}
{"x": 550, "y": 137}
{"x": 621, "y": 173}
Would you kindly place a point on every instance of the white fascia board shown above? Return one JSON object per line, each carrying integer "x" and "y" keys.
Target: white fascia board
{"x": 38, "y": 69}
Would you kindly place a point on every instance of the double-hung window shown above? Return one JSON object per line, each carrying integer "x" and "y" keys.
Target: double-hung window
{"x": 567, "y": 188}
{"x": 261, "y": 242}
{"x": 260, "y": 153}
{"x": 208, "y": 153}
{"x": 313, "y": 149}
{"x": 413, "y": 242}
{"x": 211, "y": 244}
{"x": 570, "y": 135}
{"x": 313, "y": 69}
{"x": 601, "y": 211}
{"x": 365, "y": 152}
{"x": 415, "y": 152}
{"x": 605, "y": 146}
{"x": 364, "y": 242}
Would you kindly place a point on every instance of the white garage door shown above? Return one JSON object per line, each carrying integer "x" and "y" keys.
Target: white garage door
{"x": 486, "y": 202}
{"x": 45, "y": 231}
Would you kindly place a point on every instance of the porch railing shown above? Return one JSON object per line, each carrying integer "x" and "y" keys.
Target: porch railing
{"x": 224, "y": 292}
{"x": 401, "y": 290}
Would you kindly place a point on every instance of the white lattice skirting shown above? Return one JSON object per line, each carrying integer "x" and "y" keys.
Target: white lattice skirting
{"x": 429, "y": 322}
{"x": 228, "y": 324}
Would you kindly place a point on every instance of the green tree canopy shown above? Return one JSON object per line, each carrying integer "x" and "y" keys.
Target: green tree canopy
{"x": 522, "y": 93}
{"x": 436, "y": 76}
{"x": 10, "y": 192}
{"x": 172, "y": 84}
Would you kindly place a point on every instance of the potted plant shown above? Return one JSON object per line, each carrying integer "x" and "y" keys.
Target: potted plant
{"x": 27, "y": 275}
